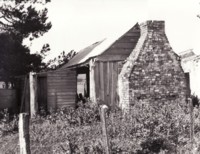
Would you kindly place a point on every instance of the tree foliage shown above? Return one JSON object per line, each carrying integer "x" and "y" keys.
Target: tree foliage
{"x": 22, "y": 19}
{"x": 19, "y": 20}
{"x": 59, "y": 61}
{"x": 16, "y": 59}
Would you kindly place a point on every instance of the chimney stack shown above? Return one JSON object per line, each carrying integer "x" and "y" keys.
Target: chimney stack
{"x": 157, "y": 26}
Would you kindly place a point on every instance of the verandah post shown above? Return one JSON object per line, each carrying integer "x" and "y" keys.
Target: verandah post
{"x": 33, "y": 94}
{"x": 92, "y": 81}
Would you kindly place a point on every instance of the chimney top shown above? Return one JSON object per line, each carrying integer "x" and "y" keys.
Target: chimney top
{"x": 153, "y": 25}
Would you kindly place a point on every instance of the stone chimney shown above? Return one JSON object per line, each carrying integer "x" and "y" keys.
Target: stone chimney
{"x": 152, "y": 73}
{"x": 150, "y": 26}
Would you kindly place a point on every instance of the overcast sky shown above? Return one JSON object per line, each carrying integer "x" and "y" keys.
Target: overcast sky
{"x": 79, "y": 23}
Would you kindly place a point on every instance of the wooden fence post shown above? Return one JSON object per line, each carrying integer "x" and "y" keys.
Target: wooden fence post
{"x": 24, "y": 140}
{"x": 191, "y": 122}
{"x": 33, "y": 94}
{"x": 105, "y": 136}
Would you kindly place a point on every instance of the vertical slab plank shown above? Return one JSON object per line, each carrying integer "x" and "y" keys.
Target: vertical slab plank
{"x": 108, "y": 79}
{"x": 33, "y": 93}
{"x": 101, "y": 81}
{"x": 97, "y": 81}
{"x": 112, "y": 83}
{"x": 115, "y": 82}
{"x": 92, "y": 81}
{"x": 23, "y": 95}
{"x": 105, "y": 79}
{"x": 27, "y": 98}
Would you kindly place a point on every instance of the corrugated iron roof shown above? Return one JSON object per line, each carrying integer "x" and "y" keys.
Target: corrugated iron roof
{"x": 82, "y": 55}
{"x": 89, "y": 52}
{"x": 187, "y": 54}
{"x": 93, "y": 50}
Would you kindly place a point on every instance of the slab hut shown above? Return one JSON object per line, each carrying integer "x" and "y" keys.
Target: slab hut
{"x": 102, "y": 62}
{"x": 139, "y": 65}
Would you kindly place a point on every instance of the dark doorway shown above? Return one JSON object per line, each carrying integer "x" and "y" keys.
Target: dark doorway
{"x": 187, "y": 77}
{"x": 83, "y": 79}
{"x": 42, "y": 93}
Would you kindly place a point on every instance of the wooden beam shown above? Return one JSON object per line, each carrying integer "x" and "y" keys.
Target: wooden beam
{"x": 115, "y": 82}
{"x": 112, "y": 84}
{"x": 33, "y": 94}
{"x": 97, "y": 81}
{"x": 92, "y": 81}
{"x": 106, "y": 58}
{"x": 102, "y": 81}
{"x": 108, "y": 78}
{"x": 23, "y": 95}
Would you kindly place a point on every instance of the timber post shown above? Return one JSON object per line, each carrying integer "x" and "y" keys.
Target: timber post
{"x": 92, "y": 81}
{"x": 105, "y": 136}
{"x": 24, "y": 139}
{"x": 33, "y": 94}
{"x": 191, "y": 122}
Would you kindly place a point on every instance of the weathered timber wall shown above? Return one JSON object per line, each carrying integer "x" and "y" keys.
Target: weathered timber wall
{"x": 8, "y": 99}
{"x": 106, "y": 77}
{"x": 61, "y": 88}
{"x": 122, "y": 47}
{"x": 108, "y": 65}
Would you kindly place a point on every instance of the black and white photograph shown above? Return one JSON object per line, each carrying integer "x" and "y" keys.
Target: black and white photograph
{"x": 99, "y": 77}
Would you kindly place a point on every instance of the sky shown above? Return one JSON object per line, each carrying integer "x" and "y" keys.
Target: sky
{"x": 78, "y": 23}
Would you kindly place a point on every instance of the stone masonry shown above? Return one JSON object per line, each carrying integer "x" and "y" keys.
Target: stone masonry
{"x": 152, "y": 72}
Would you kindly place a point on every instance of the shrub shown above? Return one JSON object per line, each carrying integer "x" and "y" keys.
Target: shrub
{"x": 8, "y": 124}
{"x": 195, "y": 100}
{"x": 146, "y": 128}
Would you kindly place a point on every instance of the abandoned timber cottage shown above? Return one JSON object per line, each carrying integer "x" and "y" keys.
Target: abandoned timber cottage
{"x": 138, "y": 66}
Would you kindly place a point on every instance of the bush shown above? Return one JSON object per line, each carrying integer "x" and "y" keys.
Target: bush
{"x": 146, "y": 128}
{"x": 8, "y": 124}
{"x": 195, "y": 100}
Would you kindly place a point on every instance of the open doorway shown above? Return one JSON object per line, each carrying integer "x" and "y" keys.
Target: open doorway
{"x": 83, "y": 82}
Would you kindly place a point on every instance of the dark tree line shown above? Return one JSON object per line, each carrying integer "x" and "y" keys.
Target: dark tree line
{"x": 59, "y": 61}
{"x": 19, "y": 20}
{"x": 15, "y": 59}
{"x": 22, "y": 19}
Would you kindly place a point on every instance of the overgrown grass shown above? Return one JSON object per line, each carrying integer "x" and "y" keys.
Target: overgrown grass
{"x": 145, "y": 129}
